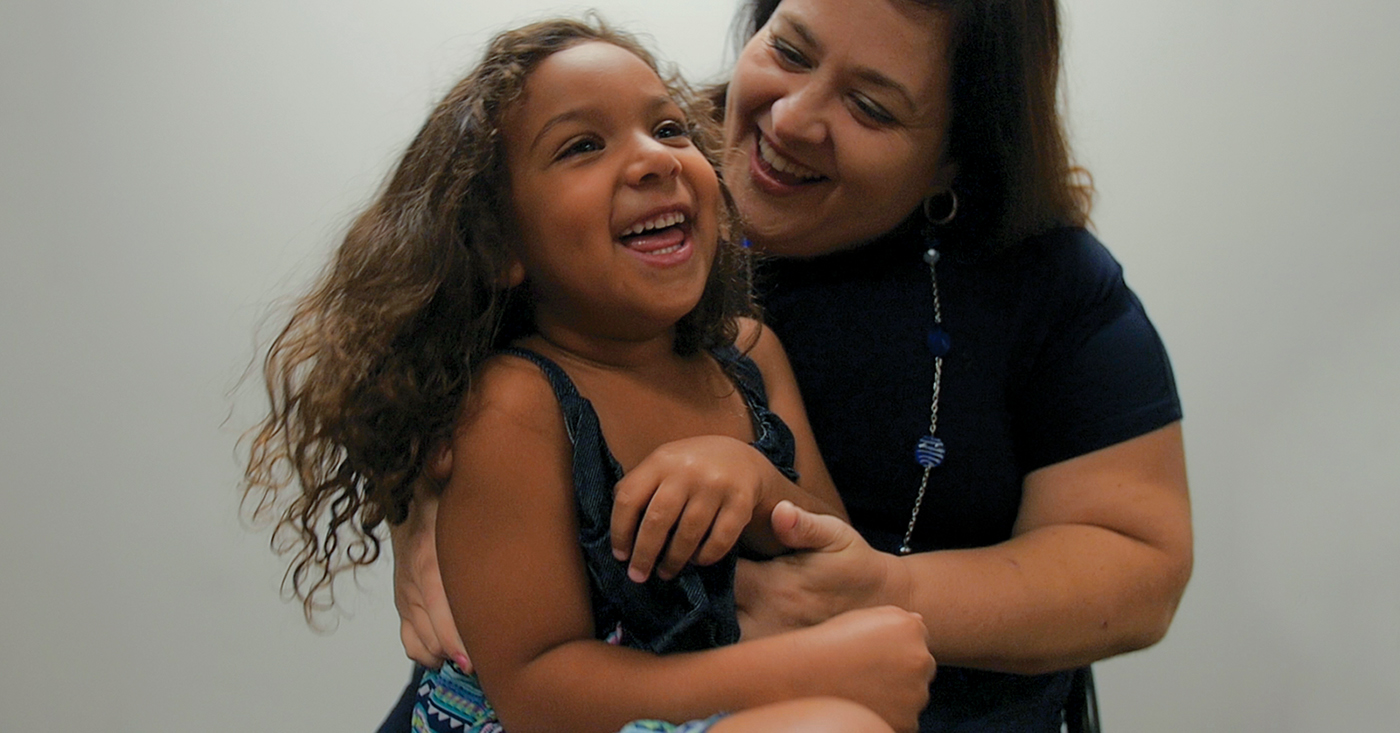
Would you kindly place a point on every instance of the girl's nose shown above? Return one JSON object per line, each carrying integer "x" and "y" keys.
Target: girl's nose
{"x": 800, "y": 115}
{"x": 655, "y": 161}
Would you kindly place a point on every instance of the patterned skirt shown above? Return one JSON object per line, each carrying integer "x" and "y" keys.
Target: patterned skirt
{"x": 451, "y": 701}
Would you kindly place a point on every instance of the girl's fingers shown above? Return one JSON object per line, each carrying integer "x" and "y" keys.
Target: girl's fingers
{"x": 444, "y": 628}
{"x": 652, "y": 532}
{"x": 631, "y": 496}
{"x": 690, "y": 531}
{"x": 724, "y": 534}
{"x": 416, "y": 647}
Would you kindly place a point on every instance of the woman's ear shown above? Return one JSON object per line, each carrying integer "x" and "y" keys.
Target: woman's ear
{"x": 514, "y": 273}
{"x": 942, "y": 179}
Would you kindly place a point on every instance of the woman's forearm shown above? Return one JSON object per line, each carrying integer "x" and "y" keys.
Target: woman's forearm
{"x": 1100, "y": 557}
{"x": 1054, "y": 598}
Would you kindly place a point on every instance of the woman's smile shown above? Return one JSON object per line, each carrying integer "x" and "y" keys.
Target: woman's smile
{"x": 835, "y": 122}
{"x": 781, "y": 168}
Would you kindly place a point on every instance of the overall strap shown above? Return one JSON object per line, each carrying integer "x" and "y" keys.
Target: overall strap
{"x": 564, "y": 390}
{"x": 745, "y": 372}
{"x": 772, "y": 437}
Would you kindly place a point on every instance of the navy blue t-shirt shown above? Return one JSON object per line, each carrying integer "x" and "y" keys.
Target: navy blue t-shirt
{"x": 1052, "y": 357}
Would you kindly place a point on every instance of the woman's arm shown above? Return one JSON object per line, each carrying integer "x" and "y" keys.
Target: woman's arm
{"x": 514, "y": 575}
{"x": 426, "y": 628}
{"x": 1099, "y": 558}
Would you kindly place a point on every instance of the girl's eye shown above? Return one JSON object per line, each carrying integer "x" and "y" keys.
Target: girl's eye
{"x": 871, "y": 110}
{"x": 670, "y": 129}
{"x": 788, "y": 53}
{"x": 580, "y": 147}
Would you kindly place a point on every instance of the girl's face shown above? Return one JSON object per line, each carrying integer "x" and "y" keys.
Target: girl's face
{"x": 835, "y": 122}
{"x": 616, "y": 209}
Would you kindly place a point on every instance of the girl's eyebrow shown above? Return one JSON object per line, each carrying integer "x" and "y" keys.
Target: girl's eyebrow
{"x": 593, "y": 112}
{"x": 865, "y": 73}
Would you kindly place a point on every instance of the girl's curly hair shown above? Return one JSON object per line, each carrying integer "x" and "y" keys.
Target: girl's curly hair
{"x": 367, "y": 376}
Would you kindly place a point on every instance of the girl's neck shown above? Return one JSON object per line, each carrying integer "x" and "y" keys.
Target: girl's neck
{"x": 645, "y": 394}
{"x": 604, "y": 353}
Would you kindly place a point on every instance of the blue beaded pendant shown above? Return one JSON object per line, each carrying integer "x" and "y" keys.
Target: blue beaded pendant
{"x": 938, "y": 341}
{"x": 930, "y": 451}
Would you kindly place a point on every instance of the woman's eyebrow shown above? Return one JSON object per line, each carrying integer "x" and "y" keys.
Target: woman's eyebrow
{"x": 884, "y": 82}
{"x": 808, "y": 37}
{"x": 865, "y": 73}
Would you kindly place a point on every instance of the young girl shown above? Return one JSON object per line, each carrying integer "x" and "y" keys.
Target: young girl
{"x": 551, "y": 264}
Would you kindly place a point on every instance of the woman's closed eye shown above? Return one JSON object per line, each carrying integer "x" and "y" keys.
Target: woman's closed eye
{"x": 872, "y": 110}
{"x": 788, "y": 55}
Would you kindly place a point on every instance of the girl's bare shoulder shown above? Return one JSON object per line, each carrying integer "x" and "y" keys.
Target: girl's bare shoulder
{"x": 759, "y": 343}
{"x": 509, "y": 394}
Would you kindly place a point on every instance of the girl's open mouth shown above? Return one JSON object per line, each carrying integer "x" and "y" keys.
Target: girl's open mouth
{"x": 661, "y": 238}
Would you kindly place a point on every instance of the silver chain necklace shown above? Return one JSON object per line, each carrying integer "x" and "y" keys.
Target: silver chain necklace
{"x": 930, "y": 450}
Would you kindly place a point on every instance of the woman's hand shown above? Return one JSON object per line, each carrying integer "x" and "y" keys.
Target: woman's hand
{"x": 877, "y": 657}
{"x": 838, "y": 571}
{"x": 426, "y": 627}
{"x": 700, "y": 492}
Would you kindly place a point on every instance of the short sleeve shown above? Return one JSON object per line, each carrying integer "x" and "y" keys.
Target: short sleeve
{"x": 1099, "y": 374}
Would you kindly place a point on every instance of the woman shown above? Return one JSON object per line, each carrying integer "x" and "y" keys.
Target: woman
{"x": 999, "y": 415}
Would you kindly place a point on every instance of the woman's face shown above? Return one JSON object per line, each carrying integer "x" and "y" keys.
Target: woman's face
{"x": 835, "y": 122}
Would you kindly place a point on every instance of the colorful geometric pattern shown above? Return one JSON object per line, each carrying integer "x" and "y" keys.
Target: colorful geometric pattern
{"x": 450, "y": 701}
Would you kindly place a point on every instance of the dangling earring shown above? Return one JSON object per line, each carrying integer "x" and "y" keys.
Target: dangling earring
{"x": 951, "y": 208}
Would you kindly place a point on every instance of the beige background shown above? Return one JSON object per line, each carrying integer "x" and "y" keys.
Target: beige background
{"x": 168, "y": 169}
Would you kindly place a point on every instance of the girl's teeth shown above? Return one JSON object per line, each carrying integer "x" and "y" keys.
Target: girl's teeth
{"x": 660, "y": 222}
{"x": 782, "y": 164}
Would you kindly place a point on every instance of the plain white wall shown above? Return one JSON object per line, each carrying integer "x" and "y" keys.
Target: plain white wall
{"x": 169, "y": 169}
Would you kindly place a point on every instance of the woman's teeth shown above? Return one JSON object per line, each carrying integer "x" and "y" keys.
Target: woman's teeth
{"x": 783, "y": 164}
{"x": 660, "y": 222}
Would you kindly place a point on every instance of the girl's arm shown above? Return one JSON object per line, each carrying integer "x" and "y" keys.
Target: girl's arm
{"x": 514, "y": 575}
{"x": 1099, "y": 558}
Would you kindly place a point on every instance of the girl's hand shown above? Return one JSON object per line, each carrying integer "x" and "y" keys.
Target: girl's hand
{"x": 836, "y": 571}
{"x": 877, "y": 657}
{"x": 700, "y": 491}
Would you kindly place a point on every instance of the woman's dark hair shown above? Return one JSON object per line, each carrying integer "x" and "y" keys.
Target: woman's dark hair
{"x": 1015, "y": 178}
{"x": 366, "y": 378}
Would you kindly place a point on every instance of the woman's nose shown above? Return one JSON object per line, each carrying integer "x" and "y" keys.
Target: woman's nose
{"x": 654, "y": 162}
{"x": 800, "y": 116}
